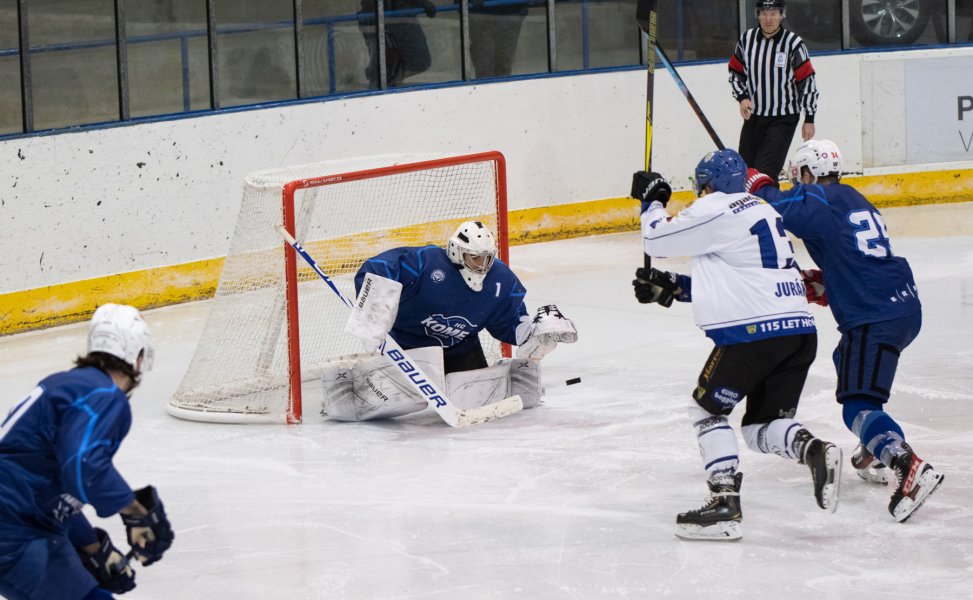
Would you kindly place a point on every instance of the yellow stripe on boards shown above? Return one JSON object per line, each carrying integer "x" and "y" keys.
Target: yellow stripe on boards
{"x": 75, "y": 301}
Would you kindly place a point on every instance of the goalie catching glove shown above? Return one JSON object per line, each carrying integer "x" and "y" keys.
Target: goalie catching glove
{"x": 653, "y": 285}
{"x": 544, "y": 332}
{"x": 149, "y": 535}
{"x": 104, "y": 563}
{"x": 814, "y": 287}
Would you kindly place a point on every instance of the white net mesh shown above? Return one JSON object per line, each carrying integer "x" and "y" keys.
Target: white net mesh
{"x": 240, "y": 371}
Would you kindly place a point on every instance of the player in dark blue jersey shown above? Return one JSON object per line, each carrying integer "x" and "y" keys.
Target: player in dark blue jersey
{"x": 874, "y": 299}
{"x": 430, "y": 297}
{"x": 56, "y": 449}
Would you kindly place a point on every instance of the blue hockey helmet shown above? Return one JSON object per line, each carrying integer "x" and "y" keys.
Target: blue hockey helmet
{"x": 723, "y": 170}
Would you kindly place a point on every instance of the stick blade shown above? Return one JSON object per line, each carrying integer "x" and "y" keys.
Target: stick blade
{"x": 490, "y": 412}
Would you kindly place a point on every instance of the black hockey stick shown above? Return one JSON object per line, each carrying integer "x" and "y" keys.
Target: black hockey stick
{"x": 646, "y": 17}
{"x": 689, "y": 97}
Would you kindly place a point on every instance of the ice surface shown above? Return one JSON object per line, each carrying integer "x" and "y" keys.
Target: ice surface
{"x": 576, "y": 499}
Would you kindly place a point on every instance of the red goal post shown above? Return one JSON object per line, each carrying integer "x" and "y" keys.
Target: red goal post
{"x": 273, "y": 323}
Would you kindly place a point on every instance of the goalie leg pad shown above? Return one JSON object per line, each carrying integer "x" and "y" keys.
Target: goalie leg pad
{"x": 717, "y": 445}
{"x": 374, "y": 311}
{"x": 525, "y": 381}
{"x": 776, "y": 437}
{"x": 478, "y": 387}
{"x": 367, "y": 386}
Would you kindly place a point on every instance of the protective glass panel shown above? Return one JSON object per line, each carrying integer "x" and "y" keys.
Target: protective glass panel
{"x": 256, "y": 51}
{"x": 964, "y": 21}
{"x": 336, "y": 56}
{"x": 698, "y": 30}
{"x": 73, "y": 62}
{"x": 508, "y": 37}
{"x": 168, "y": 64}
{"x": 422, "y": 42}
{"x": 596, "y": 34}
{"x": 11, "y": 119}
{"x": 818, "y": 22}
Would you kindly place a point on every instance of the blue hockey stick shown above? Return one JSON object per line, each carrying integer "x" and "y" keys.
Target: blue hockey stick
{"x": 421, "y": 383}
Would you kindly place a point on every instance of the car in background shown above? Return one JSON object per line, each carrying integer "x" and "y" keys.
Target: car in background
{"x": 871, "y": 22}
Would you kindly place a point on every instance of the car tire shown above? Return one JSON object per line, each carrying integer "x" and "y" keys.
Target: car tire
{"x": 888, "y": 22}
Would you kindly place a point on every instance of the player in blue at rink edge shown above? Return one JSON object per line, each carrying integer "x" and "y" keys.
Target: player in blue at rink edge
{"x": 748, "y": 298}
{"x": 874, "y": 300}
{"x": 56, "y": 449}
{"x": 434, "y": 302}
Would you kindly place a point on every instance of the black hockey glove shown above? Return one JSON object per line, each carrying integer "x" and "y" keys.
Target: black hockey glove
{"x": 149, "y": 535}
{"x": 653, "y": 285}
{"x": 104, "y": 564}
{"x": 650, "y": 187}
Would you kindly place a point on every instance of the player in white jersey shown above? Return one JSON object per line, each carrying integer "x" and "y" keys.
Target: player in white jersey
{"x": 749, "y": 299}
{"x": 434, "y": 302}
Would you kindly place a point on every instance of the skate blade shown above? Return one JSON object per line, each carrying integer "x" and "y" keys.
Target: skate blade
{"x": 722, "y": 531}
{"x": 829, "y": 494}
{"x": 928, "y": 483}
{"x": 874, "y": 475}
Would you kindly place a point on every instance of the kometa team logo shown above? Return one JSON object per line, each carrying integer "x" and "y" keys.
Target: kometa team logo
{"x": 448, "y": 330}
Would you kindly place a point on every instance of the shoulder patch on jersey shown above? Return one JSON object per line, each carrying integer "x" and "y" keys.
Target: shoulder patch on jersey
{"x": 437, "y": 276}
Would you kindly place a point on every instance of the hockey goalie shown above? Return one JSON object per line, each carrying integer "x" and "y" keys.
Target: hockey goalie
{"x": 434, "y": 302}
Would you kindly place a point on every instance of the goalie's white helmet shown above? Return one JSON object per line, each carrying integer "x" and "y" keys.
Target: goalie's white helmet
{"x": 120, "y": 330}
{"x": 821, "y": 157}
{"x": 472, "y": 247}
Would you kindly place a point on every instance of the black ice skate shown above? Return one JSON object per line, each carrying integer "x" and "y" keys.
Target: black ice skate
{"x": 718, "y": 519}
{"x": 915, "y": 480}
{"x": 868, "y": 467}
{"x": 824, "y": 460}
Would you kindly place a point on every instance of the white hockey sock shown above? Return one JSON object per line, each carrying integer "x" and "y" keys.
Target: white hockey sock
{"x": 717, "y": 444}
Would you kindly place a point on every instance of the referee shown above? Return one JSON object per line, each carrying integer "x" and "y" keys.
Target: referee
{"x": 772, "y": 78}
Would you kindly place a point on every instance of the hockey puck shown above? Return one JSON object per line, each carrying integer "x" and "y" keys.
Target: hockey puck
{"x": 572, "y": 381}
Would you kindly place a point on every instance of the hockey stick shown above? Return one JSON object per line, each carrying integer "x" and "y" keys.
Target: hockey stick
{"x": 689, "y": 97}
{"x": 123, "y": 564}
{"x": 422, "y": 383}
{"x": 645, "y": 15}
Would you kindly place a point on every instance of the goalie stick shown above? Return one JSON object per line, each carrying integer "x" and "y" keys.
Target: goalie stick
{"x": 423, "y": 384}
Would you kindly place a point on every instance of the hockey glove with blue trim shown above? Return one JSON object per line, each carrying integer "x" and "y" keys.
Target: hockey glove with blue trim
{"x": 149, "y": 535}
{"x": 104, "y": 563}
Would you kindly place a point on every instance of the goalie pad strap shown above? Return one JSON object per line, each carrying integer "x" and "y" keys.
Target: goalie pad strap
{"x": 374, "y": 311}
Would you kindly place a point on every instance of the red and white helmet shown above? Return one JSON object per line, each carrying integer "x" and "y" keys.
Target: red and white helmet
{"x": 821, "y": 157}
{"x": 120, "y": 330}
{"x": 472, "y": 247}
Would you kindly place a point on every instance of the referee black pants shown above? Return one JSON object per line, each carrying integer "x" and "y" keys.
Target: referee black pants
{"x": 764, "y": 142}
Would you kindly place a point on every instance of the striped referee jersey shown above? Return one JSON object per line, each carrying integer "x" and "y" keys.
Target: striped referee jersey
{"x": 776, "y": 74}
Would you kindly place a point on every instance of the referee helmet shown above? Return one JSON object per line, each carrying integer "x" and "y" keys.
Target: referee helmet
{"x": 770, "y": 5}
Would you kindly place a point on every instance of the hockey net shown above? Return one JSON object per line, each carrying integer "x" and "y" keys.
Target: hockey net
{"x": 273, "y": 322}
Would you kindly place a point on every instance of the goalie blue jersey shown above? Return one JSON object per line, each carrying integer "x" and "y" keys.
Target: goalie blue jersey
{"x": 438, "y": 308}
{"x": 56, "y": 449}
{"x": 847, "y": 238}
